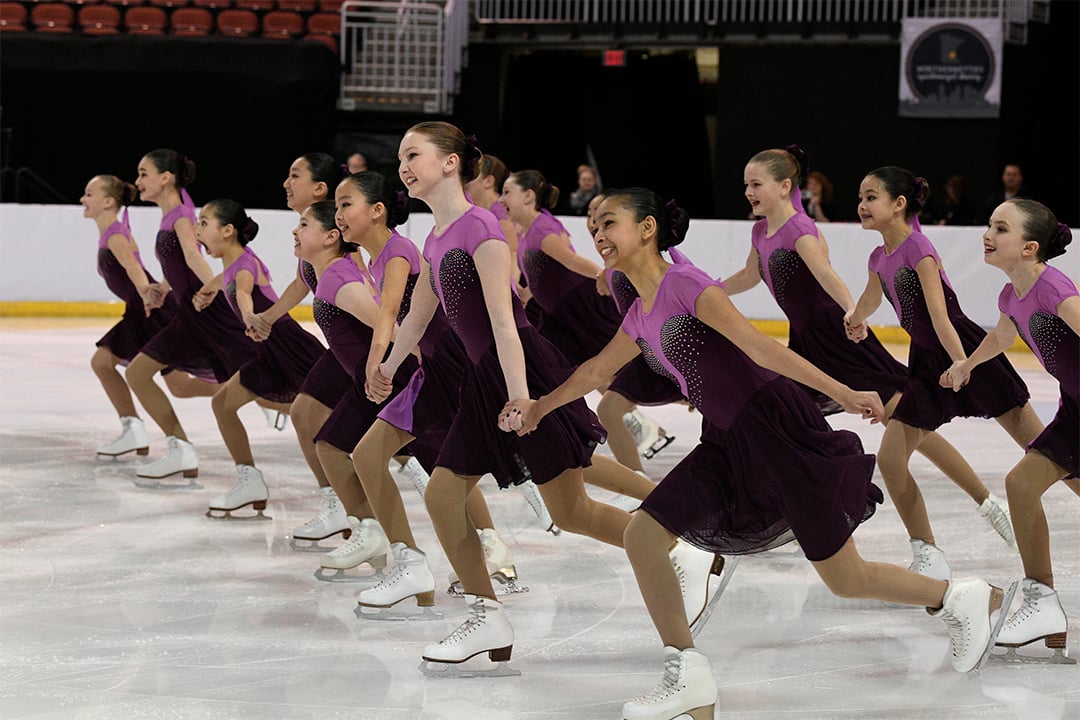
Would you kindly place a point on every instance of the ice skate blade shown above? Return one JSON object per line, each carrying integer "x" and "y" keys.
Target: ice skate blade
{"x": 471, "y": 667}
{"x": 508, "y": 586}
{"x": 395, "y": 613}
{"x": 341, "y": 575}
{"x": 1012, "y": 656}
{"x": 1003, "y": 610}
{"x": 311, "y": 545}
{"x": 726, "y": 570}
{"x": 190, "y": 473}
{"x": 228, "y": 514}
{"x": 138, "y": 451}
{"x": 659, "y": 444}
{"x": 156, "y": 484}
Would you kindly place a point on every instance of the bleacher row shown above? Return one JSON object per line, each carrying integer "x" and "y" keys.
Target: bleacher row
{"x": 318, "y": 20}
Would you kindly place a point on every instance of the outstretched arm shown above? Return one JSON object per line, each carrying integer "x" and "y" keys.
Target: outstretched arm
{"x": 930, "y": 279}
{"x": 747, "y": 277}
{"x": 815, "y": 254}
{"x": 560, "y": 250}
{"x": 262, "y": 323}
{"x": 492, "y": 259}
{"x": 185, "y": 231}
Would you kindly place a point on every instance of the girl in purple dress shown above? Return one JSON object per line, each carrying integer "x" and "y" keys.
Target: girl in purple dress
{"x": 1041, "y": 304}
{"x": 485, "y": 190}
{"x": 311, "y": 179}
{"x": 790, "y": 255}
{"x": 209, "y": 342}
{"x": 768, "y": 462}
{"x": 468, "y": 263}
{"x": 122, "y": 269}
{"x": 273, "y": 377}
{"x": 908, "y": 271}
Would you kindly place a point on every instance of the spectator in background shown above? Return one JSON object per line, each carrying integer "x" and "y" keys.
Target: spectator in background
{"x": 356, "y": 162}
{"x": 1012, "y": 186}
{"x": 588, "y": 187}
{"x": 817, "y": 198}
{"x": 956, "y": 208}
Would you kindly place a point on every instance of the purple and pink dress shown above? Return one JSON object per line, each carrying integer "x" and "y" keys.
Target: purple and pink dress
{"x": 474, "y": 444}
{"x": 1058, "y": 349}
{"x": 426, "y": 407}
{"x": 994, "y": 388}
{"x": 327, "y": 381}
{"x": 210, "y": 344}
{"x": 350, "y": 340}
{"x": 284, "y": 359}
{"x": 576, "y": 319}
{"x": 815, "y": 320}
{"x": 767, "y": 462}
{"x": 126, "y": 338}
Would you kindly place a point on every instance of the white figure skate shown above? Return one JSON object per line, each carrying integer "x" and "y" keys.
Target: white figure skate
{"x": 536, "y": 502}
{"x": 1040, "y": 617}
{"x": 648, "y": 435}
{"x": 487, "y": 630}
{"x": 686, "y": 690}
{"x": 693, "y": 568}
{"x": 500, "y": 567}
{"x": 330, "y": 521}
{"x": 277, "y": 420}
{"x": 929, "y": 560}
{"x": 367, "y": 543}
{"x": 409, "y": 577}
{"x": 415, "y": 472}
{"x": 248, "y": 490}
{"x": 967, "y": 611}
{"x": 179, "y": 459}
{"x": 996, "y": 512}
{"x": 133, "y": 438}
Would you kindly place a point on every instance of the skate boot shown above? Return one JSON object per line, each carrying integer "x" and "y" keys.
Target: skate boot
{"x": 500, "y": 566}
{"x": 133, "y": 437}
{"x": 180, "y": 458}
{"x": 487, "y": 630}
{"x": 966, "y": 611}
{"x": 929, "y": 561}
{"x": 366, "y": 544}
{"x": 996, "y": 512}
{"x": 536, "y": 502}
{"x": 693, "y": 568}
{"x": 649, "y": 436}
{"x": 413, "y": 470}
{"x": 410, "y": 577}
{"x": 248, "y": 490}
{"x": 277, "y": 420}
{"x": 1040, "y": 617}
{"x": 330, "y": 521}
{"x": 687, "y": 689}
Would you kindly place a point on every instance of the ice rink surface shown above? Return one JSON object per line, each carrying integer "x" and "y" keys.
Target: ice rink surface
{"x": 123, "y": 603}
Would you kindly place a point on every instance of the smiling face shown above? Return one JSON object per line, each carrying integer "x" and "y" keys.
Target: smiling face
{"x": 310, "y": 239}
{"x": 763, "y": 191}
{"x": 151, "y": 183}
{"x": 878, "y": 209}
{"x": 301, "y": 190}
{"x": 619, "y": 237}
{"x": 355, "y": 215}
{"x": 94, "y": 200}
{"x": 421, "y": 166}
{"x": 1004, "y": 245}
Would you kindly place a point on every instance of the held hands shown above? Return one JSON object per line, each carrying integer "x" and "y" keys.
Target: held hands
{"x": 202, "y": 299}
{"x": 519, "y": 416}
{"x": 378, "y": 384}
{"x": 258, "y": 326}
{"x": 855, "y": 331}
{"x": 956, "y": 376}
{"x": 153, "y": 297}
{"x": 866, "y": 404}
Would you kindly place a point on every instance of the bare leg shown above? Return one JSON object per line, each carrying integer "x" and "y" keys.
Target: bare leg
{"x": 308, "y": 416}
{"x": 183, "y": 385}
{"x": 104, "y": 363}
{"x": 140, "y": 377}
{"x": 477, "y": 508}
{"x": 339, "y": 469}
{"x": 1025, "y": 485}
{"x": 445, "y": 499}
{"x": 1022, "y": 424}
{"x": 847, "y": 575}
{"x": 610, "y": 410}
{"x": 616, "y": 477}
{"x": 574, "y": 511}
{"x": 371, "y": 462}
{"x": 897, "y": 444}
{"x": 647, "y": 543}
{"x": 231, "y": 397}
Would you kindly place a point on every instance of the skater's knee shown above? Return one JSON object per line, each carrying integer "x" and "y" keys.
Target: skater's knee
{"x": 140, "y": 370}
{"x": 101, "y": 361}
{"x": 644, "y": 533}
{"x": 613, "y": 406}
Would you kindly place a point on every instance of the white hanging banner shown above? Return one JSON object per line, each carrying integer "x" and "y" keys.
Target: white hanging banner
{"x": 950, "y": 68}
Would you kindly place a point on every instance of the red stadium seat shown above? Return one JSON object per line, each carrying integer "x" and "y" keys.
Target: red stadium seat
{"x": 212, "y": 4}
{"x": 99, "y": 20}
{"x": 301, "y": 6}
{"x": 52, "y": 18}
{"x": 192, "y": 22}
{"x": 125, "y": 3}
{"x": 254, "y": 5}
{"x": 146, "y": 20}
{"x": 328, "y": 40}
{"x": 282, "y": 24}
{"x": 324, "y": 24}
{"x": 12, "y": 17}
{"x": 237, "y": 23}
{"x": 331, "y": 6}
{"x": 168, "y": 3}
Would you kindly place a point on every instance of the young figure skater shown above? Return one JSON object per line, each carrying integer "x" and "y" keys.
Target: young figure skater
{"x": 469, "y": 266}
{"x": 311, "y": 178}
{"x": 273, "y": 377}
{"x": 767, "y": 461}
{"x": 908, "y": 271}
{"x": 119, "y": 264}
{"x": 790, "y": 255}
{"x": 210, "y": 343}
{"x": 485, "y": 190}
{"x": 1042, "y": 304}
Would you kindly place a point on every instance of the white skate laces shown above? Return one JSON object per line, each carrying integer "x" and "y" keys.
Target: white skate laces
{"x": 409, "y": 577}
{"x": 416, "y": 473}
{"x": 996, "y": 512}
{"x": 929, "y": 560}
{"x": 485, "y": 630}
{"x": 133, "y": 438}
{"x": 687, "y": 688}
{"x": 367, "y": 543}
{"x": 250, "y": 489}
{"x": 1039, "y": 617}
{"x": 966, "y": 611}
{"x": 536, "y": 502}
{"x": 180, "y": 458}
{"x": 330, "y": 521}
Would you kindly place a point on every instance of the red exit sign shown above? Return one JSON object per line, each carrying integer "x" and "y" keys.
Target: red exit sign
{"x": 614, "y": 58}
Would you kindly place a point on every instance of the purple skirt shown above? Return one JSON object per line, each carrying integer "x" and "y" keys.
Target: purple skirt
{"x": 354, "y": 414}
{"x": 126, "y": 338}
{"x": 582, "y": 324}
{"x": 778, "y": 467}
{"x": 327, "y": 381}
{"x": 210, "y": 344}
{"x": 1060, "y": 440}
{"x": 283, "y": 362}
{"x": 565, "y": 439}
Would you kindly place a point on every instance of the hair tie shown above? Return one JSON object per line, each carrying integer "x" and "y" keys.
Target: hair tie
{"x": 802, "y": 160}
{"x": 922, "y": 189}
{"x": 343, "y": 168}
{"x": 250, "y": 230}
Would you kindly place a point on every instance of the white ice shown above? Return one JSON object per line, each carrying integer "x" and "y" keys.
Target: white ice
{"x": 120, "y": 602}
